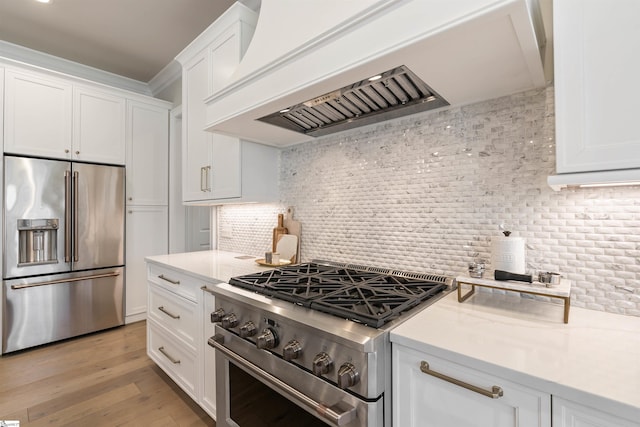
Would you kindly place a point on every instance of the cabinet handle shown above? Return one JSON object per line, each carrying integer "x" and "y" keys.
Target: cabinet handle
{"x": 204, "y": 288}
{"x": 208, "y": 179}
{"x": 168, "y": 313}
{"x": 495, "y": 392}
{"x": 204, "y": 179}
{"x": 174, "y": 282}
{"x": 168, "y": 356}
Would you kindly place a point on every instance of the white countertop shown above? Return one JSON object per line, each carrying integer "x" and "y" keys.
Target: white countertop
{"x": 217, "y": 266}
{"x": 593, "y": 360}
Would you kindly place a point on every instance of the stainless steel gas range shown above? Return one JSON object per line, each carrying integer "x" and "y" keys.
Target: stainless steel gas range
{"x": 308, "y": 344}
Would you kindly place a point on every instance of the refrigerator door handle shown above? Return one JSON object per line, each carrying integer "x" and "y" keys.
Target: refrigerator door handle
{"x": 73, "y": 279}
{"x": 76, "y": 176}
{"x": 67, "y": 216}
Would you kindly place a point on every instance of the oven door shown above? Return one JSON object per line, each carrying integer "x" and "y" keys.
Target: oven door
{"x": 256, "y": 388}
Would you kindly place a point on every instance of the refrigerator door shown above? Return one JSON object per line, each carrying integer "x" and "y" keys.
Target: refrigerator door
{"x": 35, "y": 195}
{"x": 98, "y": 216}
{"x": 43, "y": 309}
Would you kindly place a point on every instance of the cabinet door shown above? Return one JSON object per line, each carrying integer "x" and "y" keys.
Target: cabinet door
{"x": 225, "y": 167}
{"x": 596, "y": 82}
{"x": 37, "y": 114}
{"x": 147, "y": 234}
{"x": 147, "y": 154}
{"x": 224, "y": 56}
{"x": 208, "y": 401}
{"x": 196, "y": 142}
{"x": 98, "y": 126}
{"x": 571, "y": 414}
{"x": 422, "y": 400}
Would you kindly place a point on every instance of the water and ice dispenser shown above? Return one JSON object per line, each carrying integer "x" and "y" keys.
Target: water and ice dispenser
{"x": 37, "y": 241}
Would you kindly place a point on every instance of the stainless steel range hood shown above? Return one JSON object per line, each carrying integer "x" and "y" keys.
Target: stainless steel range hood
{"x": 462, "y": 51}
{"x": 384, "y": 96}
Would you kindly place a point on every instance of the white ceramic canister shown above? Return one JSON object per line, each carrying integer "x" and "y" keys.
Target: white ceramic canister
{"x": 507, "y": 254}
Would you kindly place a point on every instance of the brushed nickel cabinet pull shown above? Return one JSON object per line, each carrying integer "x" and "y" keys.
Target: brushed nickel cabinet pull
{"x": 495, "y": 392}
{"x": 168, "y": 313}
{"x": 174, "y": 282}
{"x": 208, "y": 180}
{"x": 168, "y": 356}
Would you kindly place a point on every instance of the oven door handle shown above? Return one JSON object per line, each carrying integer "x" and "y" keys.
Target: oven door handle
{"x": 330, "y": 414}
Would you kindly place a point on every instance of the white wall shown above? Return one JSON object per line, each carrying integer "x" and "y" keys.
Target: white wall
{"x": 427, "y": 193}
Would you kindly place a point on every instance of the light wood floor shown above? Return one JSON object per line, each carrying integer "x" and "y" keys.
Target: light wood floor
{"x": 103, "y": 379}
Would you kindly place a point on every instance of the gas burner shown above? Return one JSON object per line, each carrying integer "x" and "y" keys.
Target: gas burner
{"x": 369, "y": 297}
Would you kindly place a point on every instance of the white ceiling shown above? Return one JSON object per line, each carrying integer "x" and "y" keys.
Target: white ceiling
{"x": 131, "y": 38}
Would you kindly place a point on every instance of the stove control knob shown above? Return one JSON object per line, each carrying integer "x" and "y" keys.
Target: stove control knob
{"x": 248, "y": 329}
{"x": 292, "y": 350}
{"x": 217, "y": 315}
{"x": 322, "y": 364}
{"x": 348, "y": 376}
{"x": 229, "y": 321}
{"x": 268, "y": 339}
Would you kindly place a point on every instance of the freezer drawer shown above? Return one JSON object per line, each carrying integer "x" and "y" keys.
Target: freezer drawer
{"x": 50, "y": 308}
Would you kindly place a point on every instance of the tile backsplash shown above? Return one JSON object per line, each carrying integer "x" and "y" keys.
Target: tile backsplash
{"x": 427, "y": 192}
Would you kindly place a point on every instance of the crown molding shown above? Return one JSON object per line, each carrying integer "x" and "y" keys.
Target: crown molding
{"x": 43, "y": 60}
{"x": 165, "y": 78}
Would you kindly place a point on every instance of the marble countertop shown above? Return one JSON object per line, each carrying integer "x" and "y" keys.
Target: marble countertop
{"x": 215, "y": 265}
{"x": 593, "y": 360}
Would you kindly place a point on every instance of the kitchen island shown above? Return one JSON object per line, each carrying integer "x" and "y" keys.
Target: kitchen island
{"x": 585, "y": 371}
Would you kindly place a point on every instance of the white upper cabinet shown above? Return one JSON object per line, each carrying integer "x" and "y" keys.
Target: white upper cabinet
{"x": 218, "y": 168}
{"x": 196, "y": 143}
{"x": 1, "y": 106}
{"x": 98, "y": 126}
{"x": 147, "y": 153}
{"x": 38, "y": 115}
{"x": 596, "y": 84}
{"x": 51, "y": 117}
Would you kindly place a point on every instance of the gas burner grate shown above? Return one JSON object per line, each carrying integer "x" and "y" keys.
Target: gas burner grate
{"x": 372, "y": 297}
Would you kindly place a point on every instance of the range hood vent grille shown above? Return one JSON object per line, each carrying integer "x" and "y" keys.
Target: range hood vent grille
{"x": 394, "y": 93}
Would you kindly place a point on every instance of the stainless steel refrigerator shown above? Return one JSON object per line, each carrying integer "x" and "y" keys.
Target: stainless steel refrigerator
{"x": 63, "y": 269}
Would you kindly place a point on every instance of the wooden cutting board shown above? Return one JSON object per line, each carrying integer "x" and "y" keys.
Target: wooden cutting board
{"x": 294, "y": 227}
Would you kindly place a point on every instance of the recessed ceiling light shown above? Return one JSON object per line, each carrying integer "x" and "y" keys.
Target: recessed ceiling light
{"x": 43, "y": 1}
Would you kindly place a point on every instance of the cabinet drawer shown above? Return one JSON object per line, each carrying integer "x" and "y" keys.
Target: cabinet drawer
{"x": 175, "y": 282}
{"x": 176, "y": 359}
{"x": 175, "y": 313}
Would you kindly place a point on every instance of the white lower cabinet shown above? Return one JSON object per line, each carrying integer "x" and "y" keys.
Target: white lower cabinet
{"x": 178, "y": 328}
{"x": 570, "y": 414}
{"x": 451, "y": 394}
{"x": 146, "y": 235}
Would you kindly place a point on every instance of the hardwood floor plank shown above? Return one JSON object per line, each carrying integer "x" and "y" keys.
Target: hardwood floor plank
{"x": 87, "y": 408}
{"x": 102, "y": 379}
{"x": 77, "y": 352}
{"x": 80, "y": 395}
{"x": 61, "y": 383}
